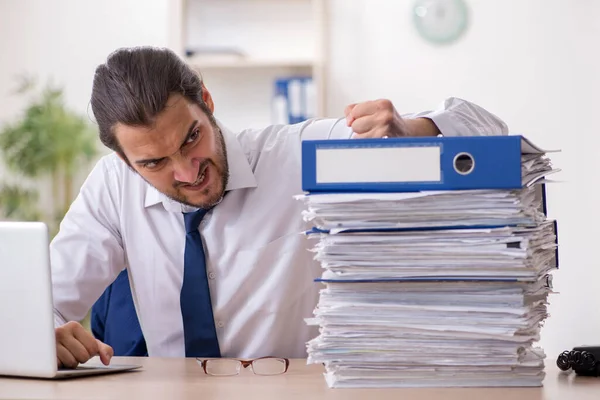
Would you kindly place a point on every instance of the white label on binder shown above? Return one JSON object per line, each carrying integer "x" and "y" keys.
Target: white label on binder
{"x": 388, "y": 164}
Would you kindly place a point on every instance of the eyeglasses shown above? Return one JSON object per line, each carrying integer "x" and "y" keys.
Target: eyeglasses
{"x": 232, "y": 366}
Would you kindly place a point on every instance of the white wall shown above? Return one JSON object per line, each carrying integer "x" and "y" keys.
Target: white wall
{"x": 64, "y": 40}
{"x": 530, "y": 62}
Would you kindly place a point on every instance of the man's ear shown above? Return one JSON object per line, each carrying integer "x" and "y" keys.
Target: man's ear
{"x": 208, "y": 99}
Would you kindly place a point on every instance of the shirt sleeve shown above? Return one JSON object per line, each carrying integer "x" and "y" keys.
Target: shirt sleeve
{"x": 87, "y": 253}
{"x": 321, "y": 129}
{"x": 453, "y": 117}
{"x": 458, "y": 117}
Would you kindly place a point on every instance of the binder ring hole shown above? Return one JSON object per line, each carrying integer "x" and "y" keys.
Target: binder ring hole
{"x": 464, "y": 163}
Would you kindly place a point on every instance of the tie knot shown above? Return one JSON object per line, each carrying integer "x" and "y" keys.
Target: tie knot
{"x": 192, "y": 220}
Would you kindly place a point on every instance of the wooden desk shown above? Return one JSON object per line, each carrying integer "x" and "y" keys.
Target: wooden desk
{"x": 184, "y": 379}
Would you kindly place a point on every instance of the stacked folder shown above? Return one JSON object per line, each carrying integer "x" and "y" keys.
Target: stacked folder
{"x": 424, "y": 288}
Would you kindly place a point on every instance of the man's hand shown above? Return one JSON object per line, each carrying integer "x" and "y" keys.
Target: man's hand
{"x": 379, "y": 118}
{"x": 75, "y": 345}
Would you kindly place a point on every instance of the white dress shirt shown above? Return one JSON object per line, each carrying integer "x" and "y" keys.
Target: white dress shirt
{"x": 260, "y": 272}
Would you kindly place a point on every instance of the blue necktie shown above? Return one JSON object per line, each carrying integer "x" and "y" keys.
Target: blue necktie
{"x": 196, "y": 308}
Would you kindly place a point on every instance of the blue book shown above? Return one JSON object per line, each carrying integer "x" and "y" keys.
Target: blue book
{"x": 422, "y": 164}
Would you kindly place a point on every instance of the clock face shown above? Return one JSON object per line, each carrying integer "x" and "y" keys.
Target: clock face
{"x": 440, "y": 21}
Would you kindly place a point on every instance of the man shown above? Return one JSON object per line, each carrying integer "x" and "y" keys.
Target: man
{"x": 203, "y": 220}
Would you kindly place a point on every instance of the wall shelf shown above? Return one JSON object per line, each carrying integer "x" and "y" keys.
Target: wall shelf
{"x": 206, "y": 62}
{"x": 241, "y": 47}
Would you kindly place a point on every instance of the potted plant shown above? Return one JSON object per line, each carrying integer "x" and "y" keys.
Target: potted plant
{"x": 47, "y": 143}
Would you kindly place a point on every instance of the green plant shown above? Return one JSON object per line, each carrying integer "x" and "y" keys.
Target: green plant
{"x": 19, "y": 203}
{"x": 48, "y": 141}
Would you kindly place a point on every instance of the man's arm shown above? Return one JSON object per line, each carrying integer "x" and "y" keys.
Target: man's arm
{"x": 458, "y": 117}
{"x": 86, "y": 256}
{"x": 453, "y": 117}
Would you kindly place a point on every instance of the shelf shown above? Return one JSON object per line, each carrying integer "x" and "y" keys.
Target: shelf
{"x": 208, "y": 62}
{"x": 241, "y": 48}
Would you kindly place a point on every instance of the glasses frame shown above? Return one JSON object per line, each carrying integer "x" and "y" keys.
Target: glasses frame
{"x": 245, "y": 363}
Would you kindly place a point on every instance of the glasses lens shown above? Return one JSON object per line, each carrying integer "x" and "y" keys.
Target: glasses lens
{"x": 222, "y": 367}
{"x": 268, "y": 366}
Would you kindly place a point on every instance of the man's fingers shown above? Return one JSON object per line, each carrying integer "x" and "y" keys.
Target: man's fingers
{"x": 366, "y": 135}
{"x": 375, "y": 119}
{"x": 378, "y": 132}
{"x": 106, "y": 352}
{"x": 347, "y": 113}
{"x": 65, "y": 357}
{"x": 86, "y": 339}
{"x": 364, "y": 124}
{"x": 364, "y": 109}
{"x": 74, "y": 345}
{"x": 77, "y": 349}
{"x": 349, "y": 108}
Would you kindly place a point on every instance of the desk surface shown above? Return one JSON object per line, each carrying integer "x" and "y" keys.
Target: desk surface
{"x": 184, "y": 379}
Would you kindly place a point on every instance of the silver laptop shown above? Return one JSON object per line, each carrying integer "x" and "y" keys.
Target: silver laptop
{"x": 27, "y": 340}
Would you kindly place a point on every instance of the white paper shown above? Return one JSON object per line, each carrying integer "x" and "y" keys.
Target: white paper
{"x": 433, "y": 289}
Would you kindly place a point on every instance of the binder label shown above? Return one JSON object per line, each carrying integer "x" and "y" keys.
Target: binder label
{"x": 379, "y": 164}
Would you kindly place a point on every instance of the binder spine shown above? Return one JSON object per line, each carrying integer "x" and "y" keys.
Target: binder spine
{"x": 452, "y": 163}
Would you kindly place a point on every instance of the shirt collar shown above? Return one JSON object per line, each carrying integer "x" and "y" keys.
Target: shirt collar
{"x": 241, "y": 175}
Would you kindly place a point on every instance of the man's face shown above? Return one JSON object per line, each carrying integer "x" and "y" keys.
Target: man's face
{"x": 182, "y": 155}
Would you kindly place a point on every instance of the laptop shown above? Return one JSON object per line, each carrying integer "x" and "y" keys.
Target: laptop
{"x": 27, "y": 340}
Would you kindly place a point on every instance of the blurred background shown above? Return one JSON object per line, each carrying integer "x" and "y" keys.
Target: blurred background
{"x": 534, "y": 63}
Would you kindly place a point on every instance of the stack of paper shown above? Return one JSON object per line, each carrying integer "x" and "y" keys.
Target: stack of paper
{"x": 432, "y": 288}
{"x": 534, "y": 166}
{"x": 418, "y": 210}
{"x": 498, "y": 253}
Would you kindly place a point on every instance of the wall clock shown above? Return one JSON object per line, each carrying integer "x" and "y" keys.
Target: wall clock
{"x": 440, "y": 21}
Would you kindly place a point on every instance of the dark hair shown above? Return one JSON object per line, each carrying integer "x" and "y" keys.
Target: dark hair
{"x": 133, "y": 87}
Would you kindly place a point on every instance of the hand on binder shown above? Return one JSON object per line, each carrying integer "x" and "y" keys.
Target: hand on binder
{"x": 379, "y": 118}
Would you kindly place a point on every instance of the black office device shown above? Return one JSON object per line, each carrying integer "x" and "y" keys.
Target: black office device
{"x": 584, "y": 360}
